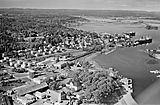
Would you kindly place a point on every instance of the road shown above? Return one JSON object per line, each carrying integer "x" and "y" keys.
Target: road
{"x": 55, "y": 54}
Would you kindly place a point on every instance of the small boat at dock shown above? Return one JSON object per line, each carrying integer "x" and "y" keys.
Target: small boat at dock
{"x": 131, "y": 33}
{"x": 155, "y": 72}
{"x": 158, "y": 76}
{"x": 153, "y": 53}
{"x": 143, "y": 40}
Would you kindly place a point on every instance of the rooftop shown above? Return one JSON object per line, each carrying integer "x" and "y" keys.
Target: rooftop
{"x": 31, "y": 88}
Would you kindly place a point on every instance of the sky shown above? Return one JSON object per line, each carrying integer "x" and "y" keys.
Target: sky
{"x": 145, "y": 5}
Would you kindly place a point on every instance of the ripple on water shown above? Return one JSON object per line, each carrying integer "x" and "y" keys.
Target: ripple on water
{"x": 152, "y": 61}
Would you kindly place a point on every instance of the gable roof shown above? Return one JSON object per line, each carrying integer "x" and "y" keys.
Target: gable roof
{"x": 31, "y": 88}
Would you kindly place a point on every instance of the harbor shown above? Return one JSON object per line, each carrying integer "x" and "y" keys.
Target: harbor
{"x": 131, "y": 62}
{"x": 51, "y": 59}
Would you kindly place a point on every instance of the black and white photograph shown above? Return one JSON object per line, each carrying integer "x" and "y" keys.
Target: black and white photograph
{"x": 79, "y": 52}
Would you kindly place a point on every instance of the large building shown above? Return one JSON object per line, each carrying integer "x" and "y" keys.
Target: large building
{"x": 31, "y": 88}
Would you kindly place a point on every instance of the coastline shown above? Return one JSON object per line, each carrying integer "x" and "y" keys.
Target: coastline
{"x": 127, "y": 98}
{"x": 91, "y": 60}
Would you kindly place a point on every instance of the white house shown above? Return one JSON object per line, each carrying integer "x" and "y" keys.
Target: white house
{"x": 19, "y": 62}
{"x": 127, "y": 84}
{"x": 26, "y": 100}
{"x": 6, "y": 58}
{"x": 74, "y": 85}
{"x": 39, "y": 79}
{"x": 40, "y": 95}
{"x": 60, "y": 65}
{"x": 16, "y": 65}
{"x": 11, "y": 63}
{"x": 24, "y": 65}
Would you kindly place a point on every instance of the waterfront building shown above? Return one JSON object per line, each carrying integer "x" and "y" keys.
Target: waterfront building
{"x": 60, "y": 65}
{"x": 26, "y": 100}
{"x": 39, "y": 79}
{"x": 39, "y": 95}
{"x": 31, "y": 88}
{"x": 127, "y": 84}
{"x": 76, "y": 85}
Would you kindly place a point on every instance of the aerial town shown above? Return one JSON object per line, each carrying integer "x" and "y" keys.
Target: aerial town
{"x": 44, "y": 62}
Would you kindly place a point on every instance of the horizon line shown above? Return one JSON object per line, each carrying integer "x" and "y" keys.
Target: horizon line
{"x": 81, "y": 9}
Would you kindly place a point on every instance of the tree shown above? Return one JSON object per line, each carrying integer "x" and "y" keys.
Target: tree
{"x": 88, "y": 94}
{"x": 97, "y": 96}
{"x": 52, "y": 85}
{"x": 100, "y": 86}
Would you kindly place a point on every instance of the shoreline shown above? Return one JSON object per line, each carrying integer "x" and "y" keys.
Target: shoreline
{"x": 127, "y": 98}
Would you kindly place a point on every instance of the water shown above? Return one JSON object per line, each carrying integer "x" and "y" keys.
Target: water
{"x": 131, "y": 62}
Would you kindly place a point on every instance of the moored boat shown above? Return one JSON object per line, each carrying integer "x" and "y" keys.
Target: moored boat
{"x": 155, "y": 72}
{"x": 143, "y": 40}
{"x": 158, "y": 76}
{"x": 132, "y": 33}
{"x": 153, "y": 53}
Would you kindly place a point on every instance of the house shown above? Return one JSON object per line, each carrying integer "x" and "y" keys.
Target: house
{"x": 39, "y": 79}
{"x": 11, "y": 63}
{"x": 38, "y": 54}
{"x": 44, "y": 53}
{"x": 30, "y": 70}
{"x": 62, "y": 103}
{"x": 19, "y": 62}
{"x": 6, "y": 58}
{"x": 76, "y": 68}
{"x": 60, "y": 65}
{"x": 40, "y": 95}
{"x": 24, "y": 65}
{"x": 62, "y": 58}
{"x": 54, "y": 95}
{"x": 40, "y": 51}
{"x": 127, "y": 84}
{"x": 76, "y": 85}
{"x": 49, "y": 46}
{"x": 58, "y": 47}
{"x": 50, "y": 52}
{"x": 33, "y": 52}
{"x": 63, "y": 96}
{"x": 29, "y": 96}
{"x": 29, "y": 64}
{"x": 45, "y": 50}
{"x": 26, "y": 100}
{"x": 16, "y": 65}
{"x": 112, "y": 73}
{"x": 11, "y": 59}
{"x": 1, "y": 60}
{"x": 31, "y": 88}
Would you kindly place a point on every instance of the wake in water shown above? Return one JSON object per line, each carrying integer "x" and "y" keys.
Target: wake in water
{"x": 153, "y": 61}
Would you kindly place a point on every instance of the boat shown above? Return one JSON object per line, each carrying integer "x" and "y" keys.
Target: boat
{"x": 153, "y": 53}
{"x": 150, "y": 27}
{"x": 155, "y": 72}
{"x": 158, "y": 76}
{"x": 148, "y": 39}
{"x": 143, "y": 40}
{"x": 132, "y": 33}
{"x": 157, "y": 56}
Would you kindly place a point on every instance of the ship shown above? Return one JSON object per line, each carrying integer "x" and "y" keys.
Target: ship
{"x": 153, "y": 53}
{"x": 150, "y": 27}
{"x": 158, "y": 76}
{"x": 155, "y": 72}
{"x": 143, "y": 40}
{"x": 131, "y": 34}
